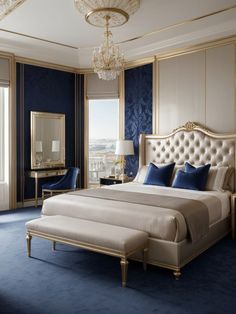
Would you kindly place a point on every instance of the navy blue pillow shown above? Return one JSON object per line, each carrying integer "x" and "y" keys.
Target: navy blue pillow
{"x": 202, "y": 171}
{"x": 193, "y": 178}
{"x": 159, "y": 176}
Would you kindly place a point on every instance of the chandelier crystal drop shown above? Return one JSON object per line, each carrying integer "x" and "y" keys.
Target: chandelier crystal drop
{"x": 107, "y": 60}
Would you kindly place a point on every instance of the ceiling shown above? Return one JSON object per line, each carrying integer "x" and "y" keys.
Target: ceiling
{"x": 54, "y": 31}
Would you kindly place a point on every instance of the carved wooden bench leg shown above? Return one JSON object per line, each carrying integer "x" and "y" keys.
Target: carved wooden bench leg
{"x": 124, "y": 269}
{"x": 28, "y": 240}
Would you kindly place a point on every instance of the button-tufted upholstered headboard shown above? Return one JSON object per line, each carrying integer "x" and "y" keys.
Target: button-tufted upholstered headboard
{"x": 191, "y": 143}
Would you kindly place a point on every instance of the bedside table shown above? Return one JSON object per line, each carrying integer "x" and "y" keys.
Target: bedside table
{"x": 109, "y": 181}
{"x": 233, "y": 200}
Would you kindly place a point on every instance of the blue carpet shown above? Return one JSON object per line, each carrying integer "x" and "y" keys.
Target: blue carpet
{"x": 75, "y": 281}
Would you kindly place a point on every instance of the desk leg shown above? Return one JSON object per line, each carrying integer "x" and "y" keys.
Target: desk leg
{"x": 36, "y": 192}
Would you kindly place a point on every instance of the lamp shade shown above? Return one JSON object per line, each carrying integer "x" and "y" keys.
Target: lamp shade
{"x": 38, "y": 147}
{"x": 55, "y": 146}
{"x": 124, "y": 147}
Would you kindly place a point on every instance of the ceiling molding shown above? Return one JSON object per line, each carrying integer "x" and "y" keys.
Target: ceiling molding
{"x": 12, "y": 8}
{"x": 44, "y": 64}
{"x": 127, "y": 40}
{"x": 139, "y": 62}
{"x": 178, "y": 24}
{"x": 38, "y": 38}
{"x": 198, "y": 47}
{"x": 129, "y": 64}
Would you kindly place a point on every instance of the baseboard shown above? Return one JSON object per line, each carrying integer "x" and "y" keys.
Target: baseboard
{"x": 29, "y": 203}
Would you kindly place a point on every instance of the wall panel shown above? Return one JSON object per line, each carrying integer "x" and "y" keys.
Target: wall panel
{"x": 181, "y": 91}
{"x": 138, "y": 109}
{"x": 220, "y": 101}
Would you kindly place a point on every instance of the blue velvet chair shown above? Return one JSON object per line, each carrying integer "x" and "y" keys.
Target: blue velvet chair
{"x": 65, "y": 184}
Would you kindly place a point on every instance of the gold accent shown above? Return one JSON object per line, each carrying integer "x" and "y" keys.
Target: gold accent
{"x": 177, "y": 274}
{"x": 12, "y": 128}
{"x": 121, "y": 105}
{"x": 47, "y": 65}
{"x": 233, "y": 199}
{"x": 28, "y": 241}
{"x": 188, "y": 126}
{"x": 111, "y": 10}
{"x": 154, "y": 98}
{"x": 196, "y": 48}
{"x": 86, "y": 133}
{"x": 139, "y": 62}
{"x": 38, "y": 174}
{"x": 34, "y": 116}
{"x": 124, "y": 269}
{"x": 12, "y": 8}
{"x": 38, "y": 38}
{"x": 178, "y": 24}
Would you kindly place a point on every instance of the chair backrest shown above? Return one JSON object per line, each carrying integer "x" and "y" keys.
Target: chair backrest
{"x": 70, "y": 178}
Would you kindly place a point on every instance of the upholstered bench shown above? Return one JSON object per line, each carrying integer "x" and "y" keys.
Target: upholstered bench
{"x": 98, "y": 237}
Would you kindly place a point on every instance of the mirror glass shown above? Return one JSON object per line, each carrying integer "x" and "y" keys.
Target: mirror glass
{"x": 47, "y": 140}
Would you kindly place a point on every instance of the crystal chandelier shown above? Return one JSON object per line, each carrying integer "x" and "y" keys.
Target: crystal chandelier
{"x": 107, "y": 60}
{"x": 6, "y": 6}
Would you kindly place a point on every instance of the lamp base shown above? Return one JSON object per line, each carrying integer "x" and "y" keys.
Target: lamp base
{"x": 123, "y": 177}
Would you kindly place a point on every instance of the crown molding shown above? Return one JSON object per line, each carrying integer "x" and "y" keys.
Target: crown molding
{"x": 46, "y": 64}
{"x": 198, "y": 47}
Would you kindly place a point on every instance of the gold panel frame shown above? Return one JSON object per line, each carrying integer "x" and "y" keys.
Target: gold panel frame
{"x": 34, "y": 115}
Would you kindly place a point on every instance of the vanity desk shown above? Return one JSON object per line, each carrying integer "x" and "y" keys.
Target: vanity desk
{"x": 44, "y": 173}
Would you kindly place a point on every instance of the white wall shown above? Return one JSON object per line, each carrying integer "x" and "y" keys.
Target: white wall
{"x": 199, "y": 87}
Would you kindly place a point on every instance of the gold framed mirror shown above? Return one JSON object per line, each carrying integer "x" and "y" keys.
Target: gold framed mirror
{"x": 47, "y": 140}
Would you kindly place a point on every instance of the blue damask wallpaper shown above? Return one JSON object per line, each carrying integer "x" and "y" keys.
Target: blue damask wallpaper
{"x": 49, "y": 90}
{"x": 138, "y": 109}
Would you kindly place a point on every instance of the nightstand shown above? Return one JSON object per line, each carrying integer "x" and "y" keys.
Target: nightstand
{"x": 109, "y": 181}
{"x": 233, "y": 200}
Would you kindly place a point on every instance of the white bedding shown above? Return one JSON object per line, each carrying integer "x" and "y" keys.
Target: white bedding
{"x": 161, "y": 223}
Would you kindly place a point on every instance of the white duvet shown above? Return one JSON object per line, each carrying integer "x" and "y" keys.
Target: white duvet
{"x": 161, "y": 223}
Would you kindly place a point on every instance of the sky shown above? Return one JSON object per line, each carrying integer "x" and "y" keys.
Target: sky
{"x": 103, "y": 118}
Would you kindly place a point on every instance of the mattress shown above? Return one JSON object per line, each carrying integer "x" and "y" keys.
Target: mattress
{"x": 161, "y": 223}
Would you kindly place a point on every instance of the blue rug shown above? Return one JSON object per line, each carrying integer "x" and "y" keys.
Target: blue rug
{"x": 70, "y": 280}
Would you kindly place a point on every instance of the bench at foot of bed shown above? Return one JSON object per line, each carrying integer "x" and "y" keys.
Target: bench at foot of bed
{"x": 93, "y": 236}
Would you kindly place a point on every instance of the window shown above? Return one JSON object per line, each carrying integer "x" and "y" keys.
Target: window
{"x": 4, "y": 148}
{"x": 103, "y": 133}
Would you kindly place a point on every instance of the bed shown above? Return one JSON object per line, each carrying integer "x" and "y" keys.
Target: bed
{"x": 170, "y": 244}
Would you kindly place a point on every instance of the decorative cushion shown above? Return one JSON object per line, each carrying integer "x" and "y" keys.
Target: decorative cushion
{"x": 218, "y": 178}
{"x": 141, "y": 174}
{"x": 159, "y": 176}
{"x": 193, "y": 178}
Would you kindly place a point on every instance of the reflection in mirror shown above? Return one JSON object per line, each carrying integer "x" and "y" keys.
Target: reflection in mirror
{"x": 47, "y": 140}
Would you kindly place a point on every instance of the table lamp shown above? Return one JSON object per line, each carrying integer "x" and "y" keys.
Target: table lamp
{"x": 124, "y": 148}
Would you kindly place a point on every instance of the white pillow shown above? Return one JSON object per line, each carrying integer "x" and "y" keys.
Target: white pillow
{"x": 140, "y": 176}
{"x": 217, "y": 178}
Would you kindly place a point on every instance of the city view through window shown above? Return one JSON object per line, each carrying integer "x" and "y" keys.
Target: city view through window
{"x": 103, "y": 133}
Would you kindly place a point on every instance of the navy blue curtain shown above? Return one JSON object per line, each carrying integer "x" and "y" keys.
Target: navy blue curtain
{"x": 138, "y": 109}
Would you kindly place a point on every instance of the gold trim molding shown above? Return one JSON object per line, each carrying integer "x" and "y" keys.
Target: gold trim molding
{"x": 178, "y": 24}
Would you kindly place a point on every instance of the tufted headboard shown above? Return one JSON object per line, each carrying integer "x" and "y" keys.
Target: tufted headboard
{"x": 192, "y": 143}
